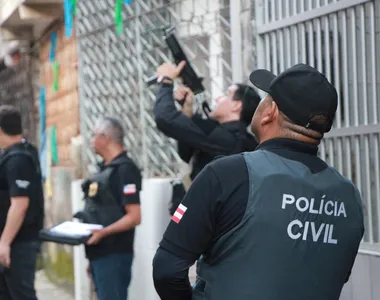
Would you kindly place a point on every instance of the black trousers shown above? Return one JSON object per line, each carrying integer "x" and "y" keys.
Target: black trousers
{"x": 17, "y": 282}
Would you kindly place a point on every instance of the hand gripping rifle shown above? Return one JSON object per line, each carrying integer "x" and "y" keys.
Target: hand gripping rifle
{"x": 188, "y": 75}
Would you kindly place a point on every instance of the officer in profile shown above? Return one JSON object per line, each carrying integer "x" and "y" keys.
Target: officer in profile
{"x": 21, "y": 208}
{"x": 112, "y": 200}
{"x": 277, "y": 223}
{"x": 200, "y": 140}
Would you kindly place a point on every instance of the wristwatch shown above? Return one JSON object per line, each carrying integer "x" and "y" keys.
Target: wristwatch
{"x": 165, "y": 80}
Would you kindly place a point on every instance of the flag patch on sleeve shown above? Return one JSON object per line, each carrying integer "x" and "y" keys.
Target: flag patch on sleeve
{"x": 179, "y": 213}
{"x": 129, "y": 189}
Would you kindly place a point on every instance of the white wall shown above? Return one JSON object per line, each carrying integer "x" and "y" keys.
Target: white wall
{"x": 203, "y": 22}
{"x": 364, "y": 280}
{"x": 155, "y": 198}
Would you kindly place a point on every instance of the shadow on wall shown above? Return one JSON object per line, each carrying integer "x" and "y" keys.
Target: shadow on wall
{"x": 57, "y": 260}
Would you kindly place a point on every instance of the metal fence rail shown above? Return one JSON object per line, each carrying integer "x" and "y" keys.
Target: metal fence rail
{"x": 340, "y": 38}
{"x": 113, "y": 68}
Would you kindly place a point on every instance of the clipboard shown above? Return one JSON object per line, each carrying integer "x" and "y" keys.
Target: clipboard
{"x": 68, "y": 233}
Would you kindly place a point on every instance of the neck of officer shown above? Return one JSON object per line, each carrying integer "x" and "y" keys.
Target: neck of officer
{"x": 229, "y": 118}
{"x": 11, "y": 140}
{"x": 291, "y": 135}
{"x": 112, "y": 151}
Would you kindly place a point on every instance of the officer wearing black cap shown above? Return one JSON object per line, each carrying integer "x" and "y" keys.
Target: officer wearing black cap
{"x": 277, "y": 223}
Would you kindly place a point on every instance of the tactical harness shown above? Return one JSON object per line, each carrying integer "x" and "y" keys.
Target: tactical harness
{"x": 31, "y": 215}
{"x": 101, "y": 206}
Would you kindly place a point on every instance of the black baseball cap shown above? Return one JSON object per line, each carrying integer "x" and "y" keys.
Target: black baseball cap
{"x": 301, "y": 93}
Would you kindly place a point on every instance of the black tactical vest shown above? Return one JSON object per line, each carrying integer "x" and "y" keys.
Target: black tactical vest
{"x": 101, "y": 207}
{"x": 297, "y": 240}
{"x": 35, "y": 210}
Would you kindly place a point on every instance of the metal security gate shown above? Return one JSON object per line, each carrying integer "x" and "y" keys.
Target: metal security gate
{"x": 16, "y": 89}
{"x": 341, "y": 39}
{"x": 113, "y": 68}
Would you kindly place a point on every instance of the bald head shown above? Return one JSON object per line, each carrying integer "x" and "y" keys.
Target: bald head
{"x": 269, "y": 122}
{"x": 293, "y": 131}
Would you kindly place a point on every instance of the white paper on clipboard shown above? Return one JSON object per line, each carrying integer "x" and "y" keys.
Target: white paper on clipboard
{"x": 75, "y": 229}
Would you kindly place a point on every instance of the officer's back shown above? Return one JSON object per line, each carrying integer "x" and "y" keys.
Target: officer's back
{"x": 277, "y": 223}
{"x": 303, "y": 223}
{"x": 298, "y": 237}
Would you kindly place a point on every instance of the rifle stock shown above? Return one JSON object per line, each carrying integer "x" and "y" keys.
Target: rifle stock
{"x": 188, "y": 75}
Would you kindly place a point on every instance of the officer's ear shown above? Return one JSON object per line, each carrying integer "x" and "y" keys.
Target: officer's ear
{"x": 237, "y": 105}
{"x": 270, "y": 111}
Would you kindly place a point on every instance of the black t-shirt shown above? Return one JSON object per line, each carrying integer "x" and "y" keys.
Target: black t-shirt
{"x": 198, "y": 138}
{"x": 20, "y": 177}
{"x": 233, "y": 134}
{"x": 123, "y": 176}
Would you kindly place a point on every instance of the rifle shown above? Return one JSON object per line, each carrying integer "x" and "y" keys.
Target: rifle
{"x": 188, "y": 75}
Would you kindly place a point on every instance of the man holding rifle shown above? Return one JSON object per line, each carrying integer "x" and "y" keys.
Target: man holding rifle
{"x": 201, "y": 140}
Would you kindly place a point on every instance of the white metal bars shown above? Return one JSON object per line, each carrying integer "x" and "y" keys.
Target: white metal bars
{"x": 341, "y": 39}
{"x": 112, "y": 68}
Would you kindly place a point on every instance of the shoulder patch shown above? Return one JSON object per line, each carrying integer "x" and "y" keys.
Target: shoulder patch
{"x": 179, "y": 213}
{"x": 129, "y": 189}
{"x": 22, "y": 184}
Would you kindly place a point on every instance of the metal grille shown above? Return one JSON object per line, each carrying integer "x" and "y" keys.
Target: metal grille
{"x": 16, "y": 89}
{"x": 341, "y": 39}
{"x": 113, "y": 68}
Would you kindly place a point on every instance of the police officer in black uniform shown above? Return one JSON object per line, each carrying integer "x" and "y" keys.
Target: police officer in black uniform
{"x": 223, "y": 133}
{"x": 21, "y": 209}
{"x": 277, "y": 223}
{"x": 200, "y": 140}
{"x": 112, "y": 200}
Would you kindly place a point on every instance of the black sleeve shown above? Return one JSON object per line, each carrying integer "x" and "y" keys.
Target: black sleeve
{"x": 206, "y": 125}
{"x": 213, "y": 205}
{"x": 21, "y": 174}
{"x": 129, "y": 177}
{"x": 173, "y": 123}
{"x": 185, "y": 152}
{"x": 170, "y": 276}
{"x": 192, "y": 228}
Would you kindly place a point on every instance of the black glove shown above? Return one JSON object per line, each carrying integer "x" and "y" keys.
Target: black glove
{"x": 86, "y": 185}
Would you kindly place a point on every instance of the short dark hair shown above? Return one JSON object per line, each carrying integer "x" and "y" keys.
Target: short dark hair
{"x": 10, "y": 120}
{"x": 250, "y": 99}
